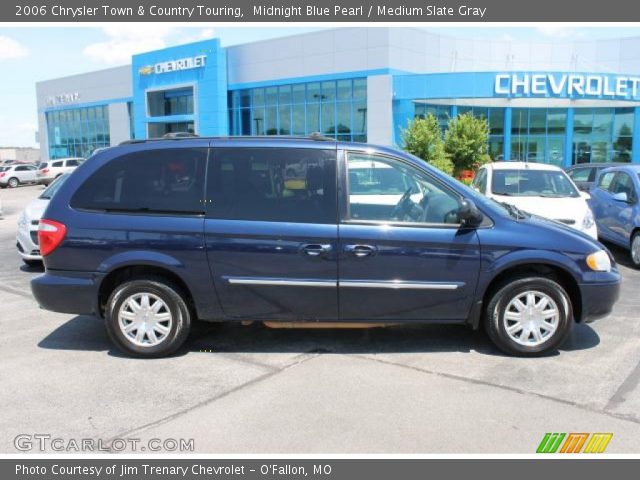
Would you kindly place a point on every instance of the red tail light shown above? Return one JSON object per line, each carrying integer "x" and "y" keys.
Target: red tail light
{"x": 44, "y": 171}
{"x": 50, "y": 235}
{"x": 2, "y": 174}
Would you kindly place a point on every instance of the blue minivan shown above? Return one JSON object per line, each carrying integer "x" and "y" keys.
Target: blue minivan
{"x": 151, "y": 235}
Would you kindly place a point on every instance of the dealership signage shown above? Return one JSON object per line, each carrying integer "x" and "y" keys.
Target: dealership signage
{"x": 186, "y": 63}
{"x": 572, "y": 85}
{"x": 63, "y": 99}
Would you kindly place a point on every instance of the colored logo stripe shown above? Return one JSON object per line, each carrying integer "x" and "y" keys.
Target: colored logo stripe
{"x": 574, "y": 443}
{"x": 598, "y": 442}
{"x": 550, "y": 442}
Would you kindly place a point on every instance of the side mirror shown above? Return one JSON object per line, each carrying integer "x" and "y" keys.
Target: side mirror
{"x": 621, "y": 197}
{"x": 585, "y": 195}
{"x": 469, "y": 214}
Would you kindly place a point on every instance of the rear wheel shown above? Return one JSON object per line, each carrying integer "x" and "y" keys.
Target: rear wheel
{"x": 148, "y": 318}
{"x": 635, "y": 249}
{"x": 13, "y": 182}
{"x": 529, "y": 316}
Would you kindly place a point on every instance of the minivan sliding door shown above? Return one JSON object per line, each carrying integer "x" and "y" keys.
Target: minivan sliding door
{"x": 271, "y": 231}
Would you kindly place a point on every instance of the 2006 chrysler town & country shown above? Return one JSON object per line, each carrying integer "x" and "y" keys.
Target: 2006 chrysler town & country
{"x": 151, "y": 235}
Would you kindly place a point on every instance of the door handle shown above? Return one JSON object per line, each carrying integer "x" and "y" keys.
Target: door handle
{"x": 360, "y": 251}
{"x": 315, "y": 249}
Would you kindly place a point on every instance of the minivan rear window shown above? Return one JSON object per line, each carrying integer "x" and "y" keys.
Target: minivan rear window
{"x": 153, "y": 181}
{"x": 295, "y": 185}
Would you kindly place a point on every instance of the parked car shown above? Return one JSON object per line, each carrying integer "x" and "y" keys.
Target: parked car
{"x": 537, "y": 188}
{"x": 151, "y": 235}
{"x": 28, "y": 220}
{"x": 16, "y": 174}
{"x": 614, "y": 199}
{"x": 584, "y": 174}
{"x": 51, "y": 169}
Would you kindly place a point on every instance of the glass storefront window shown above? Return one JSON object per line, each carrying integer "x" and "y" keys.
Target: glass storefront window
{"x": 556, "y": 121}
{"x": 603, "y": 135}
{"x": 496, "y": 121}
{"x": 337, "y": 108}
{"x": 538, "y": 121}
{"x": 519, "y": 121}
{"x": 77, "y": 132}
{"x": 162, "y": 103}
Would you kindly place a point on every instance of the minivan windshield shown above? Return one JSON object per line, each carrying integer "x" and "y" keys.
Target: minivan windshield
{"x": 532, "y": 183}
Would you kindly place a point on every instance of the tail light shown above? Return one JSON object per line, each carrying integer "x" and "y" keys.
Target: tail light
{"x": 2, "y": 174}
{"x": 50, "y": 235}
{"x": 44, "y": 171}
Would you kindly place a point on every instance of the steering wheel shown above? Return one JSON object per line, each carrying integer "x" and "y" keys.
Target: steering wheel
{"x": 403, "y": 204}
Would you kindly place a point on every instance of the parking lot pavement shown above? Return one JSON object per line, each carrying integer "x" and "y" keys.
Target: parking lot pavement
{"x": 418, "y": 389}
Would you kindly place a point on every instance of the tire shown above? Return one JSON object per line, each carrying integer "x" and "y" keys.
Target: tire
{"x": 139, "y": 342}
{"x": 552, "y": 329}
{"x": 635, "y": 249}
{"x": 13, "y": 182}
{"x": 32, "y": 263}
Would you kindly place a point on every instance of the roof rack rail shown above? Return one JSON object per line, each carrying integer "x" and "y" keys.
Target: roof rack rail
{"x": 315, "y": 136}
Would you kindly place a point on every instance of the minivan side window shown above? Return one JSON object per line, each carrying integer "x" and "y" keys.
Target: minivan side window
{"x": 383, "y": 189}
{"x": 57, "y": 164}
{"x": 295, "y": 185}
{"x": 72, "y": 163}
{"x": 580, "y": 174}
{"x": 153, "y": 181}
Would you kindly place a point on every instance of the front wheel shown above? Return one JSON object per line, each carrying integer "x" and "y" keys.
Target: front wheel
{"x": 635, "y": 249}
{"x": 529, "y": 316}
{"x": 148, "y": 318}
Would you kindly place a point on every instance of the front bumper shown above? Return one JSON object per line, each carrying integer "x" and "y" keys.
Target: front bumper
{"x": 27, "y": 248}
{"x": 598, "y": 299}
{"x": 67, "y": 292}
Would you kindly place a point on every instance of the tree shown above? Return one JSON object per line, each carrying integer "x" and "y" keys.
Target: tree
{"x": 466, "y": 142}
{"x": 423, "y": 139}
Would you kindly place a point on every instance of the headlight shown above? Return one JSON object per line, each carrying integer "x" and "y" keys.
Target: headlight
{"x": 588, "y": 220}
{"x": 599, "y": 261}
{"x": 22, "y": 219}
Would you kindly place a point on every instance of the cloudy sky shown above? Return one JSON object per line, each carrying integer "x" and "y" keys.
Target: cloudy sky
{"x": 29, "y": 55}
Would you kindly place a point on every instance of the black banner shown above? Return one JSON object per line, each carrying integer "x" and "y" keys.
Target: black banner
{"x": 292, "y": 469}
{"x": 319, "y": 11}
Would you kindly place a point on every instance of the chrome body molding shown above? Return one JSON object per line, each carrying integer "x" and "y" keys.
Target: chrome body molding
{"x": 304, "y": 282}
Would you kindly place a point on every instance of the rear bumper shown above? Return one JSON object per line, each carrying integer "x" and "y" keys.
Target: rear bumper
{"x": 67, "y": 292}
{"x": 598, "y": 299}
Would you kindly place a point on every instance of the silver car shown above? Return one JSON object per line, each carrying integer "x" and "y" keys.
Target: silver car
{"x": 14, "y": 175}
{"x": 28, "y": 220}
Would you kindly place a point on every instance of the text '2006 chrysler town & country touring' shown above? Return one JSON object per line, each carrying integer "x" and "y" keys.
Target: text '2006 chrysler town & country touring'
{"x": 151, "y": 235}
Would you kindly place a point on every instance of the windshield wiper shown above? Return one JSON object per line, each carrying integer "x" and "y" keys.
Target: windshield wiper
{"x": 503, "y": 194}
{"x": 514, "y": 211}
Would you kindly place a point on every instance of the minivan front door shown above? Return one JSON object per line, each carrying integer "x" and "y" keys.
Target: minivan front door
{"x": 271, "y": 231}
{"x": 403, "y": 255}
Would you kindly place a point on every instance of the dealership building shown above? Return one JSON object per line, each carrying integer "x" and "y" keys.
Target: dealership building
{"x": 555, "y": 101}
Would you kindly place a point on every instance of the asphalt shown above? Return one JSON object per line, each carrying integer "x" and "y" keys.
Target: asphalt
{"x": 235, "y": 389}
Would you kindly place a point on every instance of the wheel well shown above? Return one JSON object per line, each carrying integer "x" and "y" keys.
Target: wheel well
{"x": 633, "y": 232}
{"x": 557, "y": 274}
{"x": 120, "y": 275}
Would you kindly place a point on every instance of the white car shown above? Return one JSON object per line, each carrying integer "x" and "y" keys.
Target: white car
{"x": 27, "y": 236}
{"x": 16, "y": 174}
{"x": 541, "y": 189}
{"x": 51, "y": 169}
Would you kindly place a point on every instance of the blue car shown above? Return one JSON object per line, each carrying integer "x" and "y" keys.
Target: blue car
{"x": 615, "y": 205}
{"x": 152, "y": 235}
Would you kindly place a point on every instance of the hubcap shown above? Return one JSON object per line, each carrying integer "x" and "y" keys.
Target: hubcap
{"x": 145, "y": 319}
{"x": 13, "y": 183}
{"x": 531, "y": 318}
{"x": 635, "y": 250}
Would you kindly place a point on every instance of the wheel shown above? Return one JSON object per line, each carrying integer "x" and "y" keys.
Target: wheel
{"x": 529, "y": 316}
{"x": 635, "y": 249}
{"x": 13, "y": 182}
{"x": 32, "y": 263}
{"x": 148, "y": 318}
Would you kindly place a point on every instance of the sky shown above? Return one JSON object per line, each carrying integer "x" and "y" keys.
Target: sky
{"x": 32, "y": 54}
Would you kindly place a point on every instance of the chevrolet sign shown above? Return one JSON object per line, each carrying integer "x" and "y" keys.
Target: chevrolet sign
{"x": 187, "y": 63}
{"x": 572, "y": 85}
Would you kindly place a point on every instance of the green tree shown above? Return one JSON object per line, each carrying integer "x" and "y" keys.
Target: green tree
{"x": 423, "y": 139}
{"x": 466, "y": 142}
